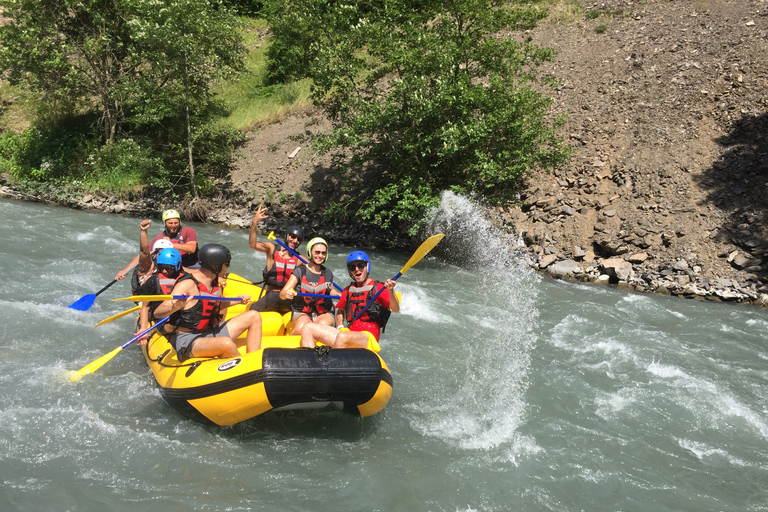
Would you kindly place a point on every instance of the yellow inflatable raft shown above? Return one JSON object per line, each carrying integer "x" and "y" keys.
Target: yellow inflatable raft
{"x": 280, "y": 376}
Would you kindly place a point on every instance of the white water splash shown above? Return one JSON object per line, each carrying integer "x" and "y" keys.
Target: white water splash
{"x": 491, "y": 344}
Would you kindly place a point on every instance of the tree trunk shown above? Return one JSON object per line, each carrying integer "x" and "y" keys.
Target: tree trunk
{"x": 189, "y": 134}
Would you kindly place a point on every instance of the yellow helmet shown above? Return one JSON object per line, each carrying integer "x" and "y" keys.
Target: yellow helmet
{"x": 171, "y": 214}
{"x": 314, "y": 242}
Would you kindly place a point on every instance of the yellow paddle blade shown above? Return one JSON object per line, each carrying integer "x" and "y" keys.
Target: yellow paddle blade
{"x": 95, "y": 365}
{"x": 119, "y": 315}
{"x": 139, "y": 298}
{"x": 422, "y": 251}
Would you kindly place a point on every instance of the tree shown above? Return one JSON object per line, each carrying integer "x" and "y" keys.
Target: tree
{"x": 427, "y": 96}
{"x": 142, "y": 64}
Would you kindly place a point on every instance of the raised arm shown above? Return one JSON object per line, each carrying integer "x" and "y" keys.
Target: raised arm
{"x": 265, "y": 247}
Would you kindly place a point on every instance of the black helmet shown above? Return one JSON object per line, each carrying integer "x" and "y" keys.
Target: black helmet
{"x": 213, "y": 257}
{"x": 297, "y": 232}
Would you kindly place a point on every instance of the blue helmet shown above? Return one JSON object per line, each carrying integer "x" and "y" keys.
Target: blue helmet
{"x": 170, "y": 257}
{"x": 358, "y": 256}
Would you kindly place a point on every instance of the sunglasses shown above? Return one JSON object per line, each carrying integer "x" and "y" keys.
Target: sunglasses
{"x": 163, "y": 267}
{"x": 357, "y": 266}
{"x": 296, "y": 237}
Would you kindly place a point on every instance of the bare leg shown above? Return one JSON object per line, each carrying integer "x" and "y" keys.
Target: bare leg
{"x": 313, "y": 333}
{"x": 214, "y": 347}
{"x": 250, "y": 321}
{"x": 300, "y": 321}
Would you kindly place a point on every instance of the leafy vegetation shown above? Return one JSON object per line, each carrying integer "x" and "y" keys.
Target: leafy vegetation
{"x": 425, "y": 96}
{"x": 140, "y": 70}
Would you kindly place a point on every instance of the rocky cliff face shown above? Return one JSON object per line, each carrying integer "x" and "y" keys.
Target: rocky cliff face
{"x": 668, "y": 187}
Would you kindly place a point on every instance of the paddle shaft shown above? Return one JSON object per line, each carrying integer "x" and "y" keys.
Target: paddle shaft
{"x": 272, "y": 237}
{"x": 375, "y": 296}
{"x": 318, "y": 295}
{"x": 155, "y": 298}
{"x": 98, "y": 363}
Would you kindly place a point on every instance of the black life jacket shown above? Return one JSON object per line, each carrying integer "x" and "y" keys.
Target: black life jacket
{"x": 358, "y": 297}
{"x": 203, "y": 315}
{"x": 282, "y": 269}
{"x": 309, "y": 282}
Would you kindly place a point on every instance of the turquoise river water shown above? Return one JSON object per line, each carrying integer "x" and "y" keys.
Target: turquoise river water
{"x": 512, "y": 392}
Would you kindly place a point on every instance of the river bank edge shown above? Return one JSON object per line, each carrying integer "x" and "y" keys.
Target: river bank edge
{"x": 625, "y": 272}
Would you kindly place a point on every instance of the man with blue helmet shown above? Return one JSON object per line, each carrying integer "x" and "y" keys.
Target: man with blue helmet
{"x": 143, "y": 264}
{"x": 362, "y": 332}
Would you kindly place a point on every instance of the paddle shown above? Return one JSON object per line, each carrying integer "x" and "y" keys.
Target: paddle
{"x": 422, "y": 251}
{"x": 154, "y": 298}
{"x": 271, "y": 236}
{"x": 119, "y": 315}
{"x": 95, "y": 365}
{"x": 86, "y": 301}
{"x": 318, "y": 295}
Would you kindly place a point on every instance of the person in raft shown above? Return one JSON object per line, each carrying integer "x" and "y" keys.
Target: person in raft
{"x": 197, "y": 331}
{"x": 313, "y": 278}
{"x": 280, "y": 264}
{"x": 160, "y": 282}
{"x": 365, "y": 331}
{"x": 144, "y": 262}
{"x": 183, "y": 238}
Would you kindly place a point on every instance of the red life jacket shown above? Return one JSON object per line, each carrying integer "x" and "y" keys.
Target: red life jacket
{"x": 160, "y": 285}
{"x": 357, "y": 297}
{"x": 309, "y": 282}
{"x": 282, "y": 269}
{"x": 203, "y": 315}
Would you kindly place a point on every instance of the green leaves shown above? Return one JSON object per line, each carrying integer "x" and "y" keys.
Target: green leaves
{"x": 424, "y": 96}
{"x": 141, "y": 65}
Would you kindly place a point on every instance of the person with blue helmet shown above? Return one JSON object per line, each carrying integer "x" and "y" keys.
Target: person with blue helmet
{"x": 160, "y": 282}
{"x": 362, "y": 332}
{"x": 143, "y": 264}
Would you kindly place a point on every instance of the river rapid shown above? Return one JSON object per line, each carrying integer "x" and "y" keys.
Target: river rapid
{"x": 511, "y": 391}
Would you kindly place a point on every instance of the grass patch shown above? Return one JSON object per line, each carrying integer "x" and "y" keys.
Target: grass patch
{"x": 18, "y": 108}
{"x": 249, "y": 101}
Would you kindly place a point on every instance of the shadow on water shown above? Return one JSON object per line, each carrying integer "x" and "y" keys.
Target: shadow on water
{"x": 330, "y": 425}
{"x": 738, "y": 183}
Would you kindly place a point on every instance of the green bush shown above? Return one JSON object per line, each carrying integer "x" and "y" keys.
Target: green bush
{"x": 121, "y": 166}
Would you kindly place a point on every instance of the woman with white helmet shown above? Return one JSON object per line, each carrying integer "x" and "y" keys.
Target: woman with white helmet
{"x": 316, "y": 279}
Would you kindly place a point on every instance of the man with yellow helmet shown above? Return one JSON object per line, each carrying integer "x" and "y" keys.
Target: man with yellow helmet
{"x": 184, "y": 238}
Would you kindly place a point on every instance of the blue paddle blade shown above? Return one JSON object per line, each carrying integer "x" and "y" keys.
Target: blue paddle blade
{"x": 84, "y": 302}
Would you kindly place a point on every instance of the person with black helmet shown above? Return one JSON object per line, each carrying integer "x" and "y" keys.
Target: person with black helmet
{"x": 183, "y": 238}
{"x": 362, "y": 332}
{"x": 280, "y": 264}
{"x": 198, "y": 331}
{"x": 312, "y": 278}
